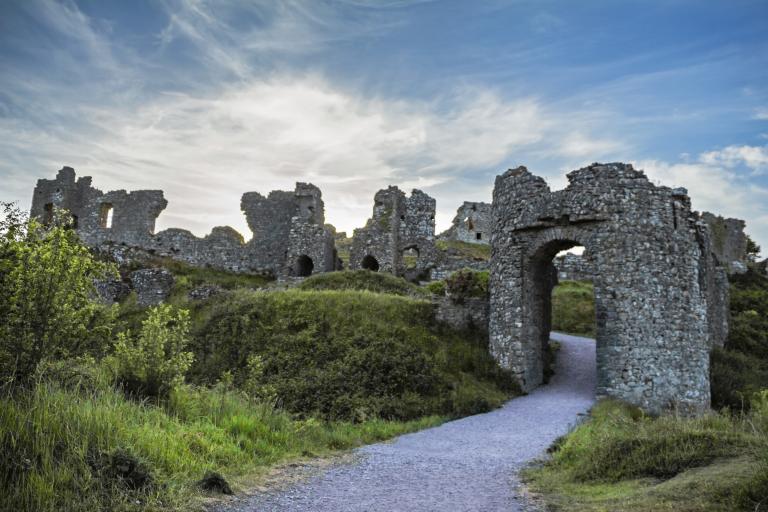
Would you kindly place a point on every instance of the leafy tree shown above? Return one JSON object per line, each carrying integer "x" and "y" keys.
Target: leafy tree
{"x": 47, "y": 295}
{"x": 154, "y": 362}
{"x": 753, "y": 250}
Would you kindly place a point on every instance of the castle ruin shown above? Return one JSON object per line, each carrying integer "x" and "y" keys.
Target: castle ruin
{"x": 658, "y": 268}
{"x": 399, "y": 237}
{"x": 289, "y": 235}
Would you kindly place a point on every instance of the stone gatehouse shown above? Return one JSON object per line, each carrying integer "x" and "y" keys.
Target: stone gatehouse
{"x": 661, "y": 298}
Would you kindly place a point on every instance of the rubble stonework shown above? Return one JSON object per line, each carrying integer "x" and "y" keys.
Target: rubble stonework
{"x": 660, "y": 296}
{"x": 289, "y": 234}
{"x": 472, "y": 224}
{"x": 399, "y": 237}
{"x": 572, "y": 267}
{"x": 470, "y": 313}
{"x": 729, "y": 242}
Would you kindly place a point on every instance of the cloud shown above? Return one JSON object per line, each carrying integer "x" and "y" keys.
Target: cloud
{"x": 753, "y": 157}
{"x": 761, "y": 114}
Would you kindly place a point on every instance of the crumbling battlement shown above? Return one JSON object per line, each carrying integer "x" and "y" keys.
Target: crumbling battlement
{"x": 661, "y": 298}
{"x": 729, "y": 242}
{"x": 289, "y": 235}
{"x": 399, "y": 237}
{"x": 472, "y": 224}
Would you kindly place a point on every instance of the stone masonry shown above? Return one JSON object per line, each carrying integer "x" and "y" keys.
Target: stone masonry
{"x": 399, "y": 237}
{"x": 661, "y": 298}
{"x": 472, "y": 224}
{"x": 729, "y": 242}
{"x": 289, "y": 234}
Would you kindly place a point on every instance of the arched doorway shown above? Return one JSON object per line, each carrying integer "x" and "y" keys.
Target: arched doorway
{"x": 304, "y": 266}
{"x": 370, "y": 263}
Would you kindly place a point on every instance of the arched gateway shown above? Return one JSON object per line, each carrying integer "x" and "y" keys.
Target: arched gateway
{"x": 660, "y": 297}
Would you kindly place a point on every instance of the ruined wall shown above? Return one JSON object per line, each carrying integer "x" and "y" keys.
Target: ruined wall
{"x": 472, "y": 224}
{"x": 399, "y": 237}
{"x": 285, "y": 226}
{"x": 471, "y": 313}
{"x": 729, "y": 242}
{"x": 654, "y": 305}
{"x": 572, "y": 267}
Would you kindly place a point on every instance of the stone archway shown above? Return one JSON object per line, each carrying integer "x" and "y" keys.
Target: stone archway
{"x": 650, "y": 256}
{"x": 370, "y": 263}
{"x": 304, "y": 266}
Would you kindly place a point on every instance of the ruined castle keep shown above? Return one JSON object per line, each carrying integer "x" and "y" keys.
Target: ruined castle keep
{"x": 289, "y": 234}
{"x": 661, "y": 298}
{"x": 399, "y": 237}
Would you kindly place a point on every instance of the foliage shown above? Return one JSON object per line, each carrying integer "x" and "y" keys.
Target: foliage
{"x": 154, "y": 362}
{"x": 573, "y": 308}
{"x": 753, "y": 250}
{"x": 436, "y": 287}
{"x": 347, "y": 355}
{"x": 466, "y": 283}
{"x": 58, "y": 445}
{"x": 741, "y": 368}
{"x": 477, "y": 252}
{"x": 619, "y": 456}
{"x": 47, "y": 306}
{"x": 379, "y": 282}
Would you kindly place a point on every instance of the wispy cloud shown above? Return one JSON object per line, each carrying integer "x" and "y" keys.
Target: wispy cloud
{"x": 761, "y": 114}
{"x": 753, "y": 157}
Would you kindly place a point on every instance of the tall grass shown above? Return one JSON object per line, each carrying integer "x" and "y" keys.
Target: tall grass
{"x": 621, "y": 456}
{"x": 573, "y": 308}
{"x": 55, "y": 442}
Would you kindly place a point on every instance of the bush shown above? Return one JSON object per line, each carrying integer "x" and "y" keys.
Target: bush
{"x": 466, "y": 283}
{"x": 362, "y": 280}
{"x": 436, "y": 288}
{"x": 741, "y": 367}
{"x": 346, "y": 355}
{"x": 47, "y": 295}
{"x": 154, "y": 362}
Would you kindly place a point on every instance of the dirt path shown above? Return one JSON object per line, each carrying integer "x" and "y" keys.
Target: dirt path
{"x": 469, "y": 464}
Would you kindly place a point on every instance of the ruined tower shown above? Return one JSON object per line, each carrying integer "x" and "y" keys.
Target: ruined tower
{"x": 660, "y": 299}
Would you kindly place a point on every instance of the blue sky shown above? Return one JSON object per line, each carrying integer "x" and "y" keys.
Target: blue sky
{"x": 209, "y": 99}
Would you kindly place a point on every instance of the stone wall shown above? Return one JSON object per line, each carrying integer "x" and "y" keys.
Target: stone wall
{"x": 399, "y": 237}
{"x": 572, "y": 267}
{"x": 729, "y": 242}
{"x": 658, "y": 291}
{"x": 472, "y": 224}
{"x": 471, "y": 313}
{"x": 289, "y": 232}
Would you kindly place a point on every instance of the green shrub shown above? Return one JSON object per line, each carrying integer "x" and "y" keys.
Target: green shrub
{"x": 154, "y": 362}
{"x": 436, "y": 288}
{"x": 466, "y": 283}
{"x": 573, "y": 308}
{"x": 741, "y": 367}
{"x": 345, "y": 354}
{"x": 363, "y": 280}
{"x": 47, "y": 295}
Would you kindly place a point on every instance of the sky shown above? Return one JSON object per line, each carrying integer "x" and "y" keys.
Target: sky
{"x": 209, "y": 99}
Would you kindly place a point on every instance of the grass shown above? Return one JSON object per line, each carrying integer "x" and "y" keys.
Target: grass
{"x": 621, "y": 459}
{"x": 365, "y": 280}
{"x": 573, "y": 308}
{"x": 53, "y": 440}
{"x": 478, "y": 252}
{"x": 345, "y": 354}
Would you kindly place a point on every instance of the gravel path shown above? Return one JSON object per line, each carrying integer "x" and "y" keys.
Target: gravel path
{"x": 464, "y": 465}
